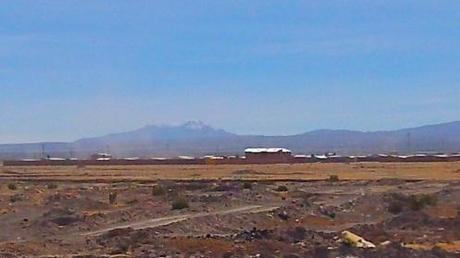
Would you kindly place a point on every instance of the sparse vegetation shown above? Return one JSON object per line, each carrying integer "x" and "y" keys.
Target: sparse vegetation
{"x": 314, "y": 171}
{"x": 247, "y": 185}
{"x": 158, "y": 190}
{"x": 112, "y": 197}
{"x": 51, "y": 186}
{"x": 245, "y": 172}
{"x": 395, "y": 207}
{"x": 282, "y": 188}
{"x": 12, "y": 186}
{"x": 214, "y": 221}
{"x": 179, "y": 204}
{"x": 333, "y": 178}
{"x": 418, "y": 203}
{"x": 194, "y": 186}
{"x": 299, "y": 233}
{"x": 16, "y": 198}
{"x": 133, "y": 201}
{"x": 399, "y": 202}
{"x": 221, "y": 187}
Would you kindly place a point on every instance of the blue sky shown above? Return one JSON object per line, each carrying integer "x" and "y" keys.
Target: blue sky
{"x": 70, "y": 69}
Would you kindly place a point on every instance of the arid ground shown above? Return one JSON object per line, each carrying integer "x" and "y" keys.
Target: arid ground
{"x": 299, "y": 210}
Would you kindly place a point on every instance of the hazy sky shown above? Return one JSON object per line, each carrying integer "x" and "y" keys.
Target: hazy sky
{"x": 85, "y": 68}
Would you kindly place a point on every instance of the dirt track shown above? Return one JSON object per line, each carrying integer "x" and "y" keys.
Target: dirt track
{"x": 163, "y": 221}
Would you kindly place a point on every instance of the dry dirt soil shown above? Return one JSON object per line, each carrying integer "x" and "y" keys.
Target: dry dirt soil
{"x": 405, "y": 209}
{"x": 312, "y": 171}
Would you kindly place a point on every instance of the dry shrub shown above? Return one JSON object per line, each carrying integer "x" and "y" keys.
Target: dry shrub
{"x": 112, "y": 197}
{"x": 399, "y": 202}
{"x": 333, "y": 178}
{"x": 418, "y": 203}
{"x": 282, "y": 188}
{"x": 179, "y": 204}
{"x": 158, "y": 190}
{"x": 395, "y": 207}
{"x": 245, "y": 172}
{"x": 51, "y": 186}
{"x": 193, "y": 186}
{"x": 16, "y": 198}
{"x": 222, "y": 187}
{"x": 132, "y": 201}
{"x": 247, "y": 185}
{"x": 12, "y": 186}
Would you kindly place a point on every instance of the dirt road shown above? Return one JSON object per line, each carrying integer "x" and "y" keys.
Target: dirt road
{"x": 163, "y": 221}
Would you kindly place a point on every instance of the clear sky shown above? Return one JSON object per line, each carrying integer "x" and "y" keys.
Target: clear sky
{"x": 70, "y": 69}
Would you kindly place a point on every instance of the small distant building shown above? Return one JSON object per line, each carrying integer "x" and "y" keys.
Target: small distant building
{"x": 132, "y": 158}
{"x": 212, "y": 157}
{"x": 158, "y": 158}
{"x": 55, "y": 159}
{"x": 302, "y": 158}
{"x": 320, "y": 156}
{"x": 268, "y": 155}
{"x": 101, "y": 156}
{"x": 186, "y": 157}
{"x": 29, "y": 160}
{"x": 212, "y": 160}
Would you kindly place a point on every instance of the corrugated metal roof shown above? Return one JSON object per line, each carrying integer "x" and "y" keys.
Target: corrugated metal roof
{"x": 442, "y": 156}
{"x": 29, "y": 159}
{"x": 186, "y": 157}
{"x": 302, "y": 156}
{"x": 266, "y": 150}
{"x": 132, "y": 158}
{"x": 212, "y": 157}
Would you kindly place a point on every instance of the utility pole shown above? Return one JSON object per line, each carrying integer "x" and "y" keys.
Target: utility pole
{"x": 43, "y": 150}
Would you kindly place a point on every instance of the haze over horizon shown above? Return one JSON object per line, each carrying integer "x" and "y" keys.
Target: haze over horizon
{"x": 72, "y": 69}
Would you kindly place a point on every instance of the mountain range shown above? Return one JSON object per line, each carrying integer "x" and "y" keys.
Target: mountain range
{"x": 196, "y": 138}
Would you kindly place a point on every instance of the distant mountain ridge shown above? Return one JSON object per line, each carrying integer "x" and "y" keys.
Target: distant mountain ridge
{"x": 196, "y": 138}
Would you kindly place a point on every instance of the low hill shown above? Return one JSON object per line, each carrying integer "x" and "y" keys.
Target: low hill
{"x": 196, "y": 138}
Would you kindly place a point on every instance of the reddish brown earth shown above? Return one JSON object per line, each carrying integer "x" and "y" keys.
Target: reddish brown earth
{"x": 44, "y": 217}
